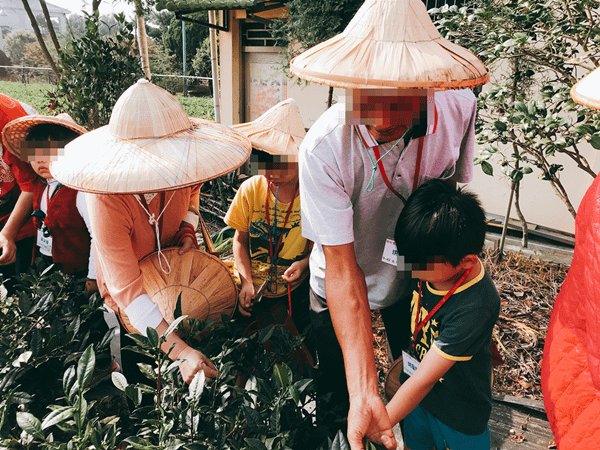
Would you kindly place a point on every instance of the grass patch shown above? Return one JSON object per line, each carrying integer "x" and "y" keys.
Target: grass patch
{"x": 35, "y": 95}
{"x": 201, "y": 107}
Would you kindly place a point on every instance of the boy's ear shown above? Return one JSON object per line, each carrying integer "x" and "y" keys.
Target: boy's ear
{"x": 469, "y": 261}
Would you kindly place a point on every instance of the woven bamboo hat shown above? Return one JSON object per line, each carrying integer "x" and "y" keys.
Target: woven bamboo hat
{"x": 149, "y": 145}
{"x": 390, "y": 43}
{"x": 15, "y": 132}
{"x": 279, "y": 131}
{"x": 587, "y": 90}
{"x": 206, "y": 286}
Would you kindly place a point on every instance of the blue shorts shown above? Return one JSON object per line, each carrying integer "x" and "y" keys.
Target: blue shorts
{"x": 422, "y": 431}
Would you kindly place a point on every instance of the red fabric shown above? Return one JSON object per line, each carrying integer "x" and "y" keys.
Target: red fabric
{"x": 70, "y": 237}
{"x": 571, "y": 363}
{"x": 11, "y": 109}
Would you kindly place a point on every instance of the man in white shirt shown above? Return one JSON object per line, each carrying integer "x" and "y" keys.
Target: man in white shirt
{"x": 357, "y": 166}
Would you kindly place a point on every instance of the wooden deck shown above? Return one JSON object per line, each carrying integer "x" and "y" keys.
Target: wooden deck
{"x": 526, "y": 419}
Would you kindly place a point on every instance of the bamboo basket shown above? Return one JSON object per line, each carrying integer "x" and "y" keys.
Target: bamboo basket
{"x": 206, "y": 286}
{"x": 392, "y": 379}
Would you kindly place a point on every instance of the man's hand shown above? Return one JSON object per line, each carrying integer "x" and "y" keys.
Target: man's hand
{"x": 9, "y": 250}
{"x": 368, "y": 417}
{"x": 193, "y": 362}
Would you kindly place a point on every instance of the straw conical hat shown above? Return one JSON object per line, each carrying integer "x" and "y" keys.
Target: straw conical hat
{"x": 149, "y": 145}
{"x": 279, "y": 131}
{"x": 390, "y": 43}
{"x": 207, "y": 288}
{"x": 587, "y": 90}
{"x": 15, "y": 132}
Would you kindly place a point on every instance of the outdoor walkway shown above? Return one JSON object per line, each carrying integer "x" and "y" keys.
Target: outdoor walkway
{"x": 522, "y": 426}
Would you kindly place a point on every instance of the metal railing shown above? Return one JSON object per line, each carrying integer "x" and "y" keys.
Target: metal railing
{"x": 26, "y": 74}
{"x": 172, "y": 83}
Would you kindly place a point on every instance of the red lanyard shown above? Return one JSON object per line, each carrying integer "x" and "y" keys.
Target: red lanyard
{"x": 271, "y": 253}
{"x": 417, "y": 170}
{"x": 419, "y": 325}
{"x": 287, "y": 216}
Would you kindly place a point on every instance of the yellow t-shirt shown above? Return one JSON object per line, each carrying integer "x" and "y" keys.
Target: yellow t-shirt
{"x": 247, "y": 214}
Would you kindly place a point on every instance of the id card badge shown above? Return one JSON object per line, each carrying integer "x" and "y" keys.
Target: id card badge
{"x": 410, "y": 364}
{"x": 390, "y": 252}
{"x": 44, "y": 243}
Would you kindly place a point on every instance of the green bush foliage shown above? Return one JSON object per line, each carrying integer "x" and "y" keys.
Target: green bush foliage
{"x": 96, "y": 70}
{"x": 51, "y": 337}
{"x": 536, "y": 50}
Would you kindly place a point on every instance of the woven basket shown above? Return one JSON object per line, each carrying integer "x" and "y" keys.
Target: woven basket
{"x": 204, "y": 282}
{"x": 392, "y": 379}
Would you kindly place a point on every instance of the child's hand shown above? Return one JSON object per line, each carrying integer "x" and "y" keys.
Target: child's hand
{"x": 91, "y": 285}
{"x": 245, "y": 297}
{"x": 294, "y": 271}
{"x": 8, "y": 249}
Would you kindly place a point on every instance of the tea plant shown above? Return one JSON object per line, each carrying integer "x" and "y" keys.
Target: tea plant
{"x": 47, "y": 327}
{"x": 262, "y": 399}
{"x": 256, "y": 402}
{"x": 75, "y": 422}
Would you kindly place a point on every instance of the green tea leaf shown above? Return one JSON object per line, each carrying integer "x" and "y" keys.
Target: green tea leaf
{"x": 29, "y": 423}
{"x": 174, "y": 324}
{"x": 119, "y": 380}
{"x": 85, "y": 366}
{"x": 197, "y": 385}
{"x": 56, "y": 416}
{"x": 152, "y": 337}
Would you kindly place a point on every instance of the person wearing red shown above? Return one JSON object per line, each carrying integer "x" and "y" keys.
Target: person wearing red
{"x": 17, "y": 179}
{"x": 60, "y": 213}
{"x": 571, "y": 362}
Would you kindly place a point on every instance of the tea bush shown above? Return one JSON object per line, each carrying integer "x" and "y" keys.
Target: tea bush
{"x": 53, "y": 334}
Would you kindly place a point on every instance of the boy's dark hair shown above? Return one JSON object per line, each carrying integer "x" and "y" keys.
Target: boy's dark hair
{"x": 44, "y": 131}
{"x": 440, "y": 220}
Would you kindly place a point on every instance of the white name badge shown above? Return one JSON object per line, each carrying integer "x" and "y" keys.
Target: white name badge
{"x": 409, "y": 364}
{"x": 44, "y": 243}
{"x": 390, "y": 253}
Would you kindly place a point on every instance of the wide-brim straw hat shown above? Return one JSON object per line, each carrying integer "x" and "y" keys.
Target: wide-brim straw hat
{"x": 205, "y": 284}
{"x": 279, "y": 131}
{"x": 15, "y": 132}
{"x": 390, "y": 43}
{"x": 150, "y": 145}
{"x": 587, "y": 90}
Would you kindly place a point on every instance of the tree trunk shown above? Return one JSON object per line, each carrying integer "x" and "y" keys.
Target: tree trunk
{"x": 40, "y": 39}
{"x": 525, "y": 239}
{"x": 50, "y": 26}
{"x": 143, "y": 45}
